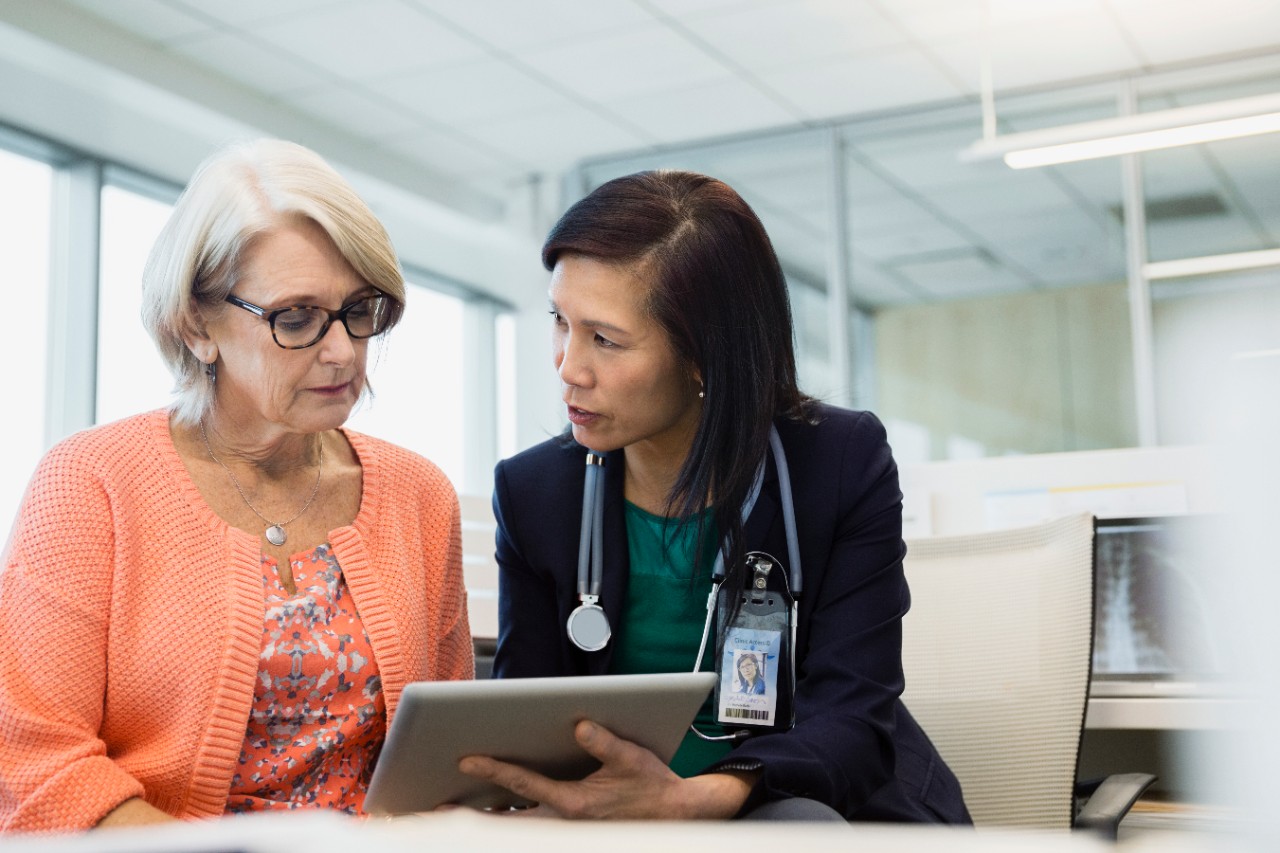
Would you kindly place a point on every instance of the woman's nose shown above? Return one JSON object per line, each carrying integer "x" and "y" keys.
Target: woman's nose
{"x": 571, "y": 364}
{"x": 336, "y": 345}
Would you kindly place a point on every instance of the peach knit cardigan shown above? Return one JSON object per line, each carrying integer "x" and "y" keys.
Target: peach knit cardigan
{"x": 131, "y": 620}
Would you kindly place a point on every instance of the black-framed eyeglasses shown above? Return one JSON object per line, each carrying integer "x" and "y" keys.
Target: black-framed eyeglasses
{"x": 300, "y": 326}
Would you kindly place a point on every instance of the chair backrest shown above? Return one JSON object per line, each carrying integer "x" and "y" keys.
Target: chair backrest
{"x": 997, "y": 650}
{"x": 479, "y": 568}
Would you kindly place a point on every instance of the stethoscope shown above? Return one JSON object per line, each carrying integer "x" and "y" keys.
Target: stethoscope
{"x": 588, "y": 626}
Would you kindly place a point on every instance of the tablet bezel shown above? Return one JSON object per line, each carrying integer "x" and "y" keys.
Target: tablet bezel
{"x": 527, "y": 721}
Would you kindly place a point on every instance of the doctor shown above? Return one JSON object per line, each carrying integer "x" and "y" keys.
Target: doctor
{"x": 672, "y": 336}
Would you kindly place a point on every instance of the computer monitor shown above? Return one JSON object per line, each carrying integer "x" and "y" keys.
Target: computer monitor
{"x": 1159, "y": 607}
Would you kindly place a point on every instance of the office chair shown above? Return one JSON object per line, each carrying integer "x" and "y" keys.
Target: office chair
{"x": 480, "y": 572}
{"x": 997, "y": 651}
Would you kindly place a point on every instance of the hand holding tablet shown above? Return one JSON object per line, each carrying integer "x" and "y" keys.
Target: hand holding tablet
{"x": 526, "y": 722}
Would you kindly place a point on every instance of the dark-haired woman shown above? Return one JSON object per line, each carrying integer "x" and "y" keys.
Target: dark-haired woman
{"x": 749, "y": 678}
{"x": 672, "y": 337}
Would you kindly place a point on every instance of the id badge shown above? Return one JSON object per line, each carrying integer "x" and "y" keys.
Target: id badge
{"x": 755, "y": 665}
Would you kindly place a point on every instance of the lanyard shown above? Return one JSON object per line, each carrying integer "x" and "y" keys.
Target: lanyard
{"x": 588, "y": 626}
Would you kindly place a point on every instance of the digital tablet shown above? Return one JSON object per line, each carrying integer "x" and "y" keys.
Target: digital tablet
{"x": 526, "y": 721}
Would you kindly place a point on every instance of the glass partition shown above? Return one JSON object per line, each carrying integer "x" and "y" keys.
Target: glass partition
{"x": 989, "y": 308}
{"x": 998, "y": 297}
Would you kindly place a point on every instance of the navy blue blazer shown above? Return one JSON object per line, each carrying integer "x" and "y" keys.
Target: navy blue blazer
{"x": 854, "y": 746}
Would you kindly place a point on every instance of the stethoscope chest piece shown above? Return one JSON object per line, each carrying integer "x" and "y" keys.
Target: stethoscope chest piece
{"x": 588, "y": 626}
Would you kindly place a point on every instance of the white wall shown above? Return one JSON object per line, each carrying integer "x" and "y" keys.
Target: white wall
{"x": 967, "y": 496}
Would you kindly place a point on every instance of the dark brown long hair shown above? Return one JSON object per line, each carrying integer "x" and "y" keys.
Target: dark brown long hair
{"x": 717, "y": 289}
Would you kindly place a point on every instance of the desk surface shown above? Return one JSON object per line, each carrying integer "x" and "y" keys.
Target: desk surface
{"x": 1167, "y": 713}
{"x": 462, "y": 831}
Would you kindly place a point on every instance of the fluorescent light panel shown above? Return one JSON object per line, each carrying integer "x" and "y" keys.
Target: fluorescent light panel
{"x": 1210, "y": 264}
{"x": 1131, "y": 134}
{"x": 1151, "y": 140}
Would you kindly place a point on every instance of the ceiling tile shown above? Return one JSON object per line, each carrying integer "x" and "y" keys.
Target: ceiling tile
{"x": 1253, "y": 169}
{"x": 698, "y": 112}
{"x": 150, "y": 19}
{"x": 448, "y": 152}
{"x": 874, "y": 217}
{"x": 1059, "y": 243}
{"x": 1098, "y": 181}
{"x": 356, "y": 110}
{"x": 554, "y": 139}
{"x": 1169, "y": 31}
{"x": 518, "y": 25}
{"x": 1200, "y": 84}
{"x": 870, "y": 285}
{"x": 471, "y": 92}
{"x": 965, "y": 274}
{"x": 778, "y": 36}
{"x": 927, "y": 241}
{"x": 1179, "y": 171}
{"x": 848, "y": 86}
{"x": 1041, "y": 50}
{"x": 241, "y": 12}
{"x": 931, "y": 19}
{"x": 790, "y": 226}
{"x": 371, "y": 39}
{"x": 924, "y": 161}
{"x": 695, "y": 8}
{"x": 644, "y": 59}
{"x": 802, "y": 194}
{"x": 784, "y": 156}
{"x": 1208, "y": 235}
{"x": 1012, "y": 193}
{"x": 863, "y": 180}
{"x": 248, "y": 62}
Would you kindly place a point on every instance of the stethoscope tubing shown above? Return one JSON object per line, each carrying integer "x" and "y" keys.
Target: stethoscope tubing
{"x": 591, "y": 538}
{"x": 591, "y": 530}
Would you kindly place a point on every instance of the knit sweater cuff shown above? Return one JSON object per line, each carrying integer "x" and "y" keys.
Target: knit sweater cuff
{"x": 75, "y": 798}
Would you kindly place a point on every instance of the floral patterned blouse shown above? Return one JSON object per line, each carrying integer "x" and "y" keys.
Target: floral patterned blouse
{"x": 318, "y": 717}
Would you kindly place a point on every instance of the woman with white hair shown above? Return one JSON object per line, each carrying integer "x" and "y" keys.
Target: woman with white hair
{"x": 214, "y": 607}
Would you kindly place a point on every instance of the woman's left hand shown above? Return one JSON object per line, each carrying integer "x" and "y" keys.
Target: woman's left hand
{"x": 631, "y": 784}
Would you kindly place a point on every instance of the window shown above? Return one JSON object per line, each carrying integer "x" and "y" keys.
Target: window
{"x": 25, "y": 212}
{"x": 417, "y": 375}
{"x": 131, "y": 376}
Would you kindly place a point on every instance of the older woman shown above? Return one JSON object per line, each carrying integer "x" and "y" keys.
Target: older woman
{"x": 672, "y": 337}
{"x": 214, "y": 608}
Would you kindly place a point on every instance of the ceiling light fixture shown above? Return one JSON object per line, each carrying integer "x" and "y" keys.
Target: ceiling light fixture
{"x": 1210, "y": 264}
{"x": 1132, "y": 134}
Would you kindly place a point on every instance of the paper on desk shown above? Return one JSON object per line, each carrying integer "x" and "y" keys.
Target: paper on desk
{"x": 1105, "y": 500}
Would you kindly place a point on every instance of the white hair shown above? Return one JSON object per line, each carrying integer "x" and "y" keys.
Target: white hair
{"x": 240, "y": 193}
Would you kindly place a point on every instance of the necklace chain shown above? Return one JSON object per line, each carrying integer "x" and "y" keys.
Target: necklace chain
{"x": 275, "y": 532}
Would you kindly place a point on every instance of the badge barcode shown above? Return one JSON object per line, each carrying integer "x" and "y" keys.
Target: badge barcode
{"x": 746, "y": 713}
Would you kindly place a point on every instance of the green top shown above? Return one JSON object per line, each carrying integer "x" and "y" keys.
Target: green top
{"x": 664, "y": 613}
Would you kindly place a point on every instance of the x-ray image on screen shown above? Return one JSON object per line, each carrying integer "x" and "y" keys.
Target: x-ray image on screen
{"x": 1156, "y": 604}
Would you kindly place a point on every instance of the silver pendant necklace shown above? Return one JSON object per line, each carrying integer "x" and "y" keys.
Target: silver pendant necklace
{"x": 275, "y": 530}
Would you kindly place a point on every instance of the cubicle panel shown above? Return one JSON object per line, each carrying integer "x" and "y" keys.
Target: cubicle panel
{"x": 479, "y": 567}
